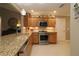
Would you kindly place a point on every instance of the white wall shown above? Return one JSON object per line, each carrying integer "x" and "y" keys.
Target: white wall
{"x": 74, "y": 33}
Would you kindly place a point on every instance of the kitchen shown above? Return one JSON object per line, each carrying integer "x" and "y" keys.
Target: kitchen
{"x": 36, "y": 29}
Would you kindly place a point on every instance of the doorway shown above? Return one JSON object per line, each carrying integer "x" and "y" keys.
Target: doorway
{"x": 61, "y": 28}
{"x": 0, "y": 26}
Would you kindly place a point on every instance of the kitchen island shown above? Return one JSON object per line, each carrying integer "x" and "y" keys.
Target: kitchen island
{"x": 11, "y": 44}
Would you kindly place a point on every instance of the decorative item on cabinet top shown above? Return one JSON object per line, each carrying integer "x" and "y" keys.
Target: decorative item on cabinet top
{"x": 76, "y": 11}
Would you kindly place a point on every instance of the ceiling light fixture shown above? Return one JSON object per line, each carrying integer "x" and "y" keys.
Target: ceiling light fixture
{"x": 32, "y": 10}
{"x": 54, "y": 11}
{"x": 23, "y": 12}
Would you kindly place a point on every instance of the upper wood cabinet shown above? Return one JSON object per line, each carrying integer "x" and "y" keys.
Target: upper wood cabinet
{"x": 45, "y": 18}
{"x": 26, "y": 18}
{"x": 25, "y": 21}
{"x": 51, "y": 22}
{"x": 33, "y": 22}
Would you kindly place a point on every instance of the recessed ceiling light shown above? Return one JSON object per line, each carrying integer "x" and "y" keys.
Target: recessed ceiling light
{"x": 54, "y": 11}
{"x": 23, "y": 12}
{"x": 32, "y": 10}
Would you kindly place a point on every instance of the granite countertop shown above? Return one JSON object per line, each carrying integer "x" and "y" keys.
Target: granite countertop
{"x": 11, "y": 44}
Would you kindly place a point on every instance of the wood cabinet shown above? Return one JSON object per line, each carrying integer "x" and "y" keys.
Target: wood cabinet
{"x": 51, "y": 22}
{"x": 44, "y": 18}
{"x": 35, "y": 38}
{"x": 30, "y": 21}
{"x": 52, "y": 37}
{"x": 25, "y": 20}
{"x": 33, "y": 22}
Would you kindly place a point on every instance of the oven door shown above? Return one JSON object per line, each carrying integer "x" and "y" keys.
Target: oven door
{"x": 43, "y": 39}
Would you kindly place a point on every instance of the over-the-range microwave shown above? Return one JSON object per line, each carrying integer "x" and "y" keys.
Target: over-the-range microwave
{"x": 43, "y": 24}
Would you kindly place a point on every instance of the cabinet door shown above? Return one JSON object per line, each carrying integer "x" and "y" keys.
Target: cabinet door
{"x": 33, "y": 22}
{"x": 51, "y": 22}
{"x": 35, "y": 38}
{"x": 30, "y": 22}
{"x": 45, "y": 18}
{"x": 52, "y": 37}
{"x": 25, "y": 21}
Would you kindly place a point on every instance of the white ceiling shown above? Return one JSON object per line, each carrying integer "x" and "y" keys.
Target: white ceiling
{"x": 45, "y": 8}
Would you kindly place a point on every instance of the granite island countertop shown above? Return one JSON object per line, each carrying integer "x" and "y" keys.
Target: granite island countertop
{"x": 11, "y": 44}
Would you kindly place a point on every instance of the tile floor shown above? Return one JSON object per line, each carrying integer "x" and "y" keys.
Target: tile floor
{"x": 62, "y": 48}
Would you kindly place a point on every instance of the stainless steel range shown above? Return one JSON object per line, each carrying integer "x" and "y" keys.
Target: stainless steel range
{"x": 43, "y": 37}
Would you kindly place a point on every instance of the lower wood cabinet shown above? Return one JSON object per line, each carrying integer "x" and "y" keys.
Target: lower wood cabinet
{"x": 35, "y": 37}
{"x": 52, "y": 37}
